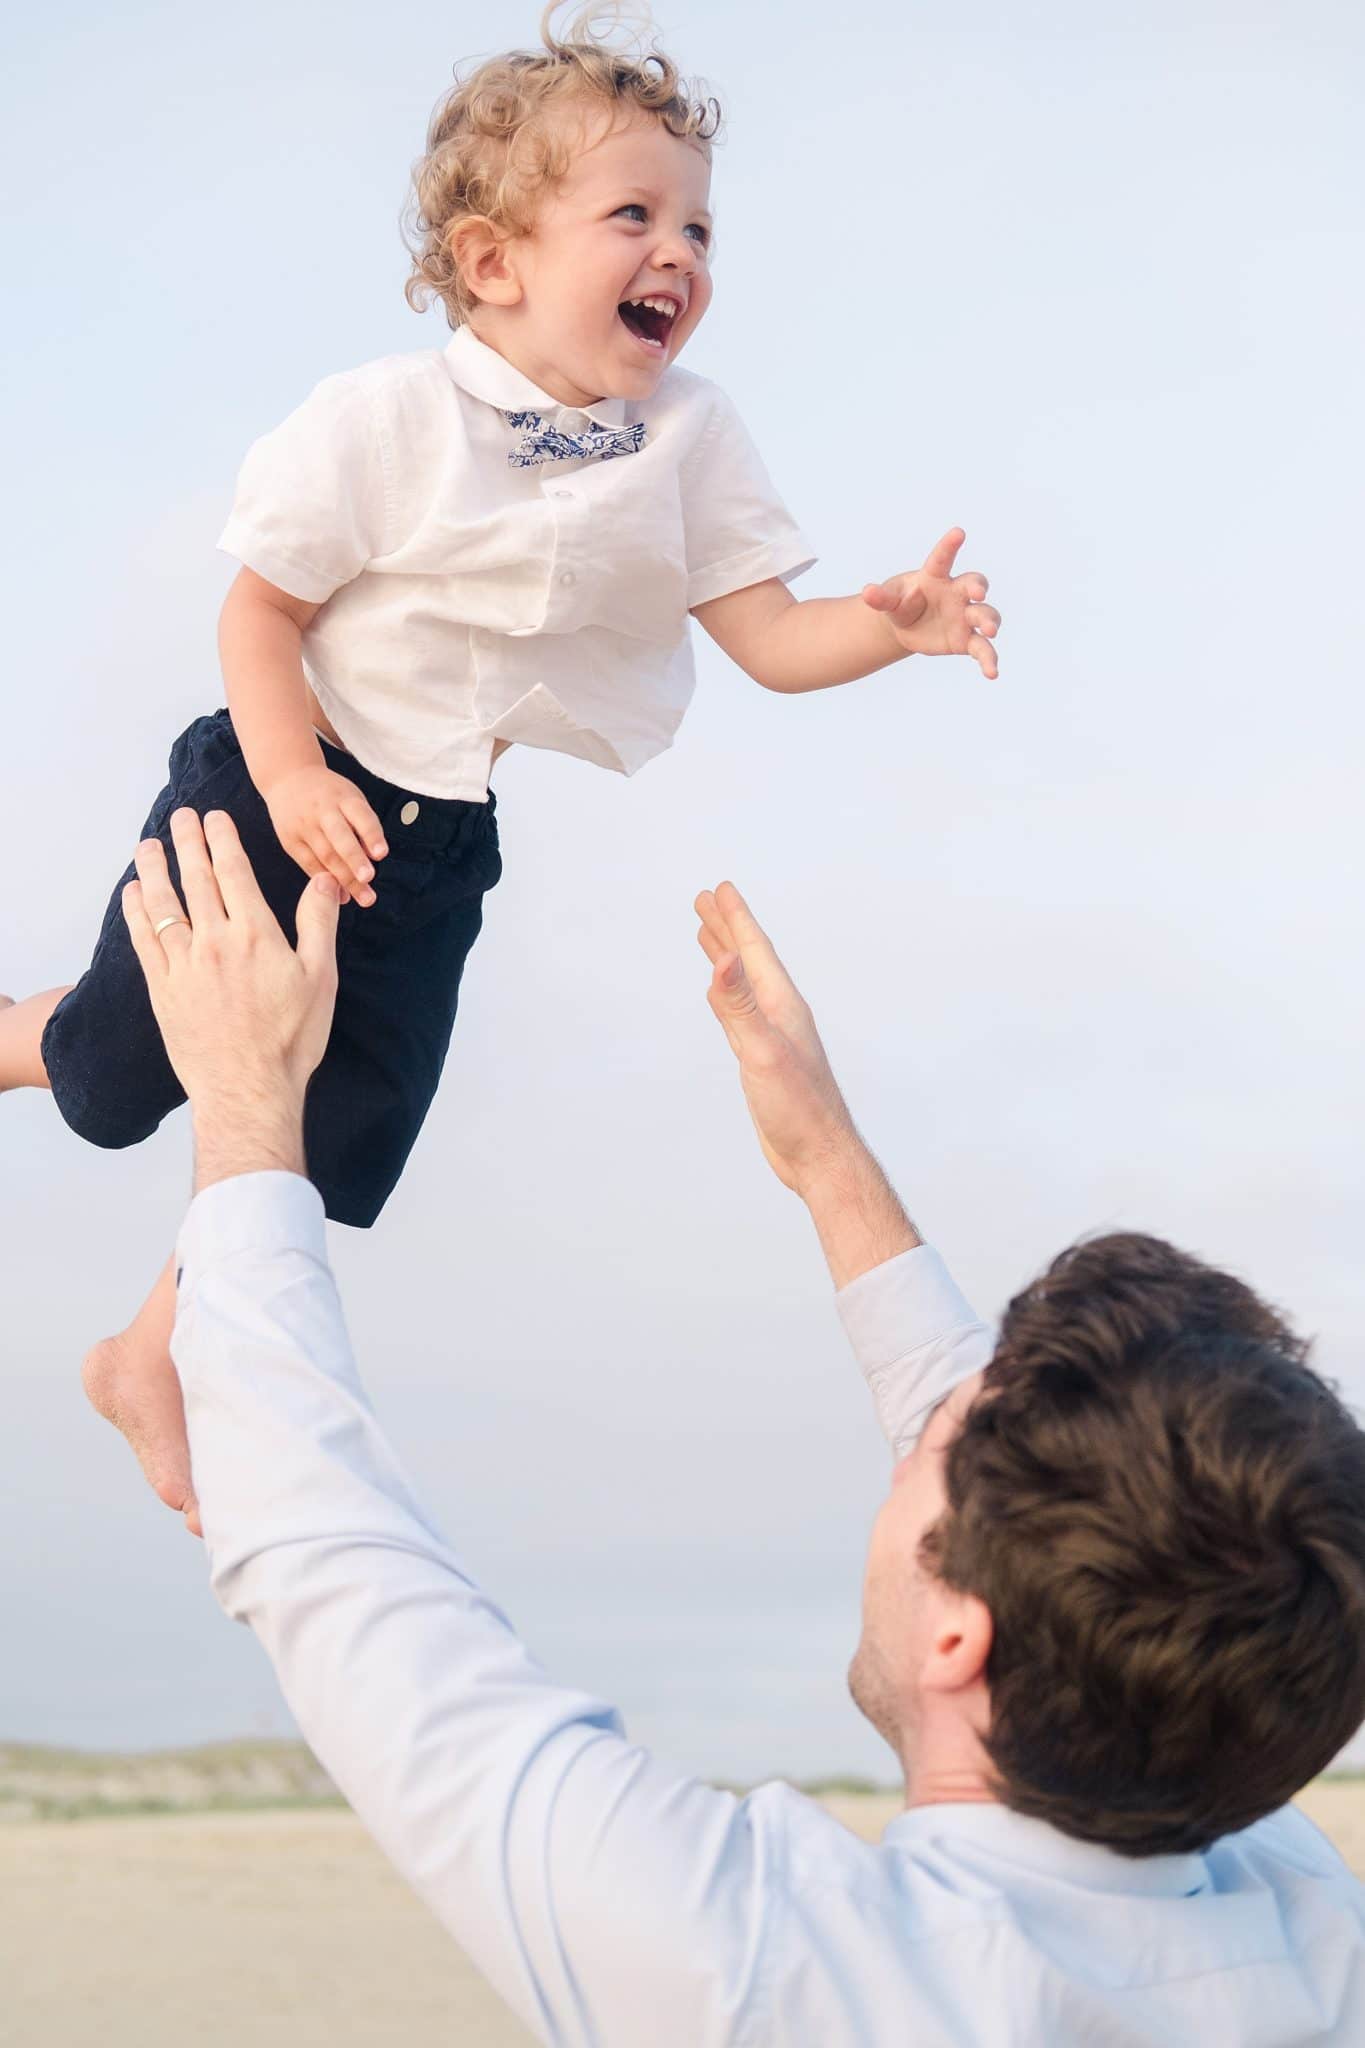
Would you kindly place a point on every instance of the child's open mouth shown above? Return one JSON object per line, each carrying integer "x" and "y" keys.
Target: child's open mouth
{"x": 650, "y": 321}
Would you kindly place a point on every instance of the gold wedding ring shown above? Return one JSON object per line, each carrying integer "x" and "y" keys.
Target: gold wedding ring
{"x": 165, "y": 925}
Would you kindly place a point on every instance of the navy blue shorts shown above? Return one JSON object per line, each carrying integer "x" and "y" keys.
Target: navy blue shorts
{"x": 398, "y": 964}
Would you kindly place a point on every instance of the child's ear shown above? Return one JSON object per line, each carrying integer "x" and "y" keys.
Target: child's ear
{"x": 480, "y": 255}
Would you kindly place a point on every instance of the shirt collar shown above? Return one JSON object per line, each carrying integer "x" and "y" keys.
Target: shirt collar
{"x": 483, "y": 373}
{"x": 1045, "y": 1851}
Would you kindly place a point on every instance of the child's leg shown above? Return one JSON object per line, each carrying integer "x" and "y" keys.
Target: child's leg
{"x": 132, "y": 1383}
{"x": 21, "y": 1036}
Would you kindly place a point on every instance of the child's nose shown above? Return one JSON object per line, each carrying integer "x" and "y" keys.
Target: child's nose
{"x": 677, "y": 253}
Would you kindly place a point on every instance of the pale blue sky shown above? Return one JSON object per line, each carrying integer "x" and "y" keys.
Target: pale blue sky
{"x": 1085, "y": 943}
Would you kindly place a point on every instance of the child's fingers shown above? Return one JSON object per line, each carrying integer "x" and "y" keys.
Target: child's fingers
{"x": 316, "y": 857}
{"x": 901, "y": 599}
{"x": 330, "y": 862}
{"x": 973, "y": 584}
{"x": 983, "y": 618}
{"x": 150, "y": 955}
{"x": 343, "y": 842}
{"x": 982, "y": 651}
{"x": 361, "y": 815}
{"x": 940, "y": 558}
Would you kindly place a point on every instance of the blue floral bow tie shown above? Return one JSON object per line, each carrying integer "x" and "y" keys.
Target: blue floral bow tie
{"x": 540, "y": 442}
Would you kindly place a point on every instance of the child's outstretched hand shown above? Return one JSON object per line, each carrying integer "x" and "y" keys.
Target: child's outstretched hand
{"x": 326, "y": 825}
{"x": 931, "y": 611}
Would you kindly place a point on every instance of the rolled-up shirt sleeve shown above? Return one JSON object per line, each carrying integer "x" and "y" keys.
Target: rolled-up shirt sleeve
{"x": 736, "y": 527}
{"x": 312, "y": 502}
{"x": 610, "y": 1898}
{"x": 915, "y": 1336}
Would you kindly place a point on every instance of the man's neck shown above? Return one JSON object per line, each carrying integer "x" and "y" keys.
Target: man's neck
{"x": 964, "y": 1785}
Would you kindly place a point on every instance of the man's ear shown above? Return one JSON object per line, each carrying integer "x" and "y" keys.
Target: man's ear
{"x": 960, "y": 1645}
{"x": 480, "y": 254}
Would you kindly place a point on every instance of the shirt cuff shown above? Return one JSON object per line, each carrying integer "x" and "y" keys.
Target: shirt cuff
{"x": 284, "y": 570}
{"x": 252, "y": 1212}
{"x": 785, "y": 558}
{"x": 916, "y": 1337}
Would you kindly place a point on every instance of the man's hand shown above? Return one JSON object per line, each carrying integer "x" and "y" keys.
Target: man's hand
{"x": 802, "y": 1120}
{"x": 931, "y": 611}
{"x": 324, "y": 823}
{"x": 244, "y": 1016}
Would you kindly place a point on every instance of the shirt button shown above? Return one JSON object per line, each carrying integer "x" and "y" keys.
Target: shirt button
{"x": 568, "y": 578}
{"x": 410, "y": 813}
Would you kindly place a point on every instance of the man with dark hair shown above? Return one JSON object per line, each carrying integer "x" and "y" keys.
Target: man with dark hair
{"x": 1114, "y": 1613}
{"x": 1163, "y": 1510}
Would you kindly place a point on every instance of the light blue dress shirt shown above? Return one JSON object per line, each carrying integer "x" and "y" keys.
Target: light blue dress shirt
{"x": 611, "y": 1899}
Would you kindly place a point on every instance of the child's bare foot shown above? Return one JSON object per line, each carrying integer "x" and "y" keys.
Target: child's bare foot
{"x": 134, "y": 1386}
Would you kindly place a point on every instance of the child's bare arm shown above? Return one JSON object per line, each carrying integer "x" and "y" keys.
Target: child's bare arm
{"x": 791, "y": 647}
{"x": 322, "y": 820}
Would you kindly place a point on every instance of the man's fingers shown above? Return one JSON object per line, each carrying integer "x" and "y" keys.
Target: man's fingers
{"x": 714, "y": 921}
{"x": 361, "y": 815}
{"x": 740, "y": 931}
{"x": 150, "y": 953}
{"x": 748, "y": 932}
{"x": 718, "y": 1011}
{"x": 319, "y": 908}
{"x": 735, "y": 1006}
{"x": 733, "y": 992}
{"x": 237, "y": 884}
{"x": 159, "y": 897}
{"x": 939, "y": 561}
{"x": 203, "y": 899}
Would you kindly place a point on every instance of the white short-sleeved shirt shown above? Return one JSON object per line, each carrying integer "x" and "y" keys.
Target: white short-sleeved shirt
{"x": 478, "y": 583}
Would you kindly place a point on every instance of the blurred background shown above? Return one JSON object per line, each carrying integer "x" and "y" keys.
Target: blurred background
{"x": 1085, "y": 943}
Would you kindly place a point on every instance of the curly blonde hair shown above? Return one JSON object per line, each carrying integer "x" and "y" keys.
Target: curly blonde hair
{"x": 494, "y": 144}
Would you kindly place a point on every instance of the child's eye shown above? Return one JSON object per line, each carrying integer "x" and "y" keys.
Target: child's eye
{"x": 702, "y": 234}
{"x": 634, "y": 208}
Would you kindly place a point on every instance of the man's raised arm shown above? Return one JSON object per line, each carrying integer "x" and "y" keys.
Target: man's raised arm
{"x": 914, "y": 1334}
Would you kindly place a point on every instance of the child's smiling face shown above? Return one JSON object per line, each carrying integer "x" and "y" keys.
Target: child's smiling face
{"x": 613, "y": 277}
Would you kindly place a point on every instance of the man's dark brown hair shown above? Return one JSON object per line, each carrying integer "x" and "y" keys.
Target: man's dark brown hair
{"x": 1163, "y": 1507}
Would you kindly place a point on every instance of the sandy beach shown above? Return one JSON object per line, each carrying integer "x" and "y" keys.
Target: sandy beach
{"x": 282, "y": 1930}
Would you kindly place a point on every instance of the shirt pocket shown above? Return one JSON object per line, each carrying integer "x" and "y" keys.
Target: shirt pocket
{"x": 637, "y": 576}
